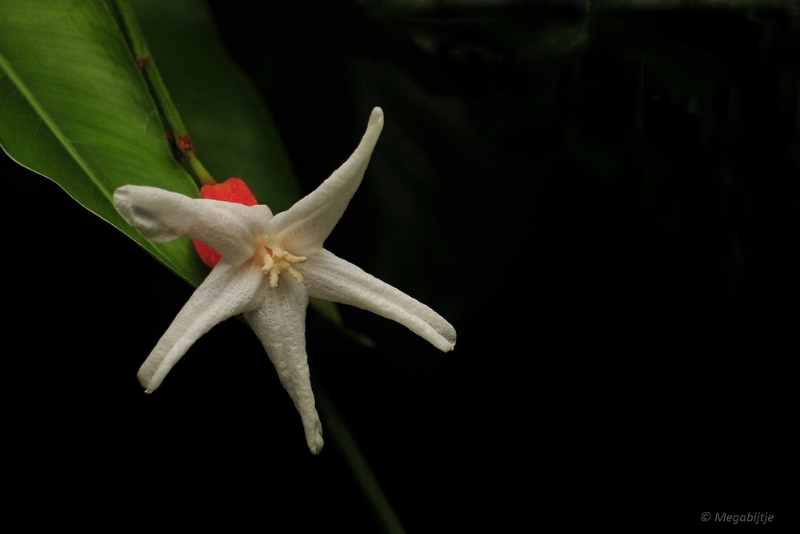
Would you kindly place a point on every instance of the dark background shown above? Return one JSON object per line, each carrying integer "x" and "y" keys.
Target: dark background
{"x": 603, "y": 202}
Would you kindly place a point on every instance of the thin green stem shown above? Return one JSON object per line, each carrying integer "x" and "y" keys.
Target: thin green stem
{"x": 202, "y": 174}
{"x": 148, "y": 67}
{"x": 358, "y": 464}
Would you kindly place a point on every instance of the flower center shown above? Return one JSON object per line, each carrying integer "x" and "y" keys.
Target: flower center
{"x": 275, "y": 260}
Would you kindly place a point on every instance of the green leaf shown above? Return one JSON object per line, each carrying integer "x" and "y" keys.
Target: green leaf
{"x": 231, "y": 129}
{"x": 74, "y": 108}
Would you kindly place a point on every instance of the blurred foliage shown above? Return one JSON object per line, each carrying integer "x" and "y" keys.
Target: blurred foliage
{"x": 656, "y": 100}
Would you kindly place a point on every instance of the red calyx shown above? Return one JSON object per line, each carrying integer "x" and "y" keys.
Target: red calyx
{"x": 231, "y": 190}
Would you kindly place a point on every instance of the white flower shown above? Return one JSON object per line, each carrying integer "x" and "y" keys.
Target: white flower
{"x": 269, "y": 268}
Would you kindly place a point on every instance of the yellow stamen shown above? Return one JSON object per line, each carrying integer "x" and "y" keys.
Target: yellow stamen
{"x": 275, "y": 260}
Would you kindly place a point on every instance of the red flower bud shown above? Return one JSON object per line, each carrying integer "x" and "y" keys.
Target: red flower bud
{"x": 231, "y": 190}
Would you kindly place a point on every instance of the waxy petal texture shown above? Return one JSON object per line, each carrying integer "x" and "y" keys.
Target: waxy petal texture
{"x": 231, "y": 229}
{"x": 280, "y": 325}
{"x": 305, "y": 226}
{"x": 229, "y": 290}
{"x": 331, "y": 278}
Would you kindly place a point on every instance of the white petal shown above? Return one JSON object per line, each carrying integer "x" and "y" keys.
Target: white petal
{"x": 229, "y": 228}
{"x": 304, "y": 226}
{"x": 227, "y": 291}
{"x": 280, "y": 324}
{"x": 331, "y": 278}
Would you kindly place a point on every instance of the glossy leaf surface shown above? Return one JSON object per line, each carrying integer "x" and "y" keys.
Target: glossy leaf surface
{"x": 76, "y": 109}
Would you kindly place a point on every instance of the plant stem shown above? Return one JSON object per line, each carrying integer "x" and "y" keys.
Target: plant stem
{"x": 358, "y": 464}
{"x": 147, "y": 65}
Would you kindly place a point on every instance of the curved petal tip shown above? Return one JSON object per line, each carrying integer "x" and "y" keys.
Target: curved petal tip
{"x": 315, "y": 444}
{"x": 376, "y": 117}
{"x": 314, "y": 436}
{"x": 145, "y": 376}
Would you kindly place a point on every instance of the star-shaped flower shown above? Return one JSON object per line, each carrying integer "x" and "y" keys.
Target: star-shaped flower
{"x": 268, "y": 269}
